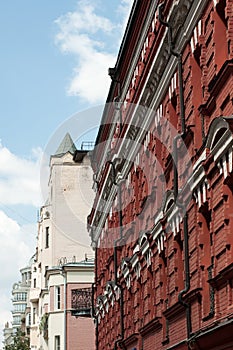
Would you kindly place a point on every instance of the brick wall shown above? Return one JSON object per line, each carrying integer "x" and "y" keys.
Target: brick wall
{"x": 152, "y": 293}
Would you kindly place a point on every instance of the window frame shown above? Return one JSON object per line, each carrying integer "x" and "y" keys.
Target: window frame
{"x": 57, "y": 342}
{"x": 58, "y": 297}
{"x": 46, "y": 237}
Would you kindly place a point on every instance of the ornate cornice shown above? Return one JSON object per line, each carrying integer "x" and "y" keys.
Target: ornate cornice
{"x": 157, "y": 84}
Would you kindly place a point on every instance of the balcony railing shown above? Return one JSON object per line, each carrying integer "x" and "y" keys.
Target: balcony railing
{"x": 81, "y": 302}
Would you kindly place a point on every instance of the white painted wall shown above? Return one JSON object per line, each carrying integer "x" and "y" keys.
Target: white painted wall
{"x": 65, "y": 213}
{"x": 56, "y": 327}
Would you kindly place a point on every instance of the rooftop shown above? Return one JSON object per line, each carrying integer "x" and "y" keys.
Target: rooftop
{"x": 67, "y": 145}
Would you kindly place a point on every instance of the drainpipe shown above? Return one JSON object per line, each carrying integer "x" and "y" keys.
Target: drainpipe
{"x": 64, "y": 274}
{"x": 186, "y": 238}
{"x": 121, "y": 339}
{"x": 93, "y": 310}
{"x": 175, "y": 161}
{"x": 180, "y": 66}
{"x": 203, "y": 127}
{"x": 112, "y": 72}
{"x": 187, "y": 278}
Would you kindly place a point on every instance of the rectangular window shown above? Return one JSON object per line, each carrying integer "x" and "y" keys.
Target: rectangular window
{"x": 34, "y": 283}
{"x": 58, "y": 298}
{"x": 57, "y": 342}
{"x": 46, "y": 279}
{"x": 29, "y": 319}
{"x": 46, "y": 237}
{"x": 34, "y": 315}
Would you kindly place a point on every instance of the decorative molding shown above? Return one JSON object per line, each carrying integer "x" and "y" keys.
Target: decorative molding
{"x": 163, "y": 79}
{"x": 152, "y": 326}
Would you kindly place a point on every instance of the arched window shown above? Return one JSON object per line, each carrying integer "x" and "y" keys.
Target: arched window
{"x": 219, "y": 132}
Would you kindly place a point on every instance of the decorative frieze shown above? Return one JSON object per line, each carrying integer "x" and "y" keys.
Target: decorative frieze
{"x": 125, "y": 271}
{"x": 200, "y": 192}
{"x": 174, "y": 220}
{"x": 225, "y": 163}
{"x": 173, "y": 85}
{"x": 106, "y": 301}
{"x": 145, "y": 249}
{"x": 136, "y": 265}
{"x": 196, "y": 35}
{"x": 158, "y": 115}
{"x": 147, "y": 141}
{"x": 158, "y": 236}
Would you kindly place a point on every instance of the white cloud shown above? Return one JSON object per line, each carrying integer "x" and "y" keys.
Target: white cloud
{"x": 90, "y": 79}
{"x": 93, "y": 39}
{"x": 19, "y": 185}
{"x": 17, "y": 246}
{"x": 19, "y": 178}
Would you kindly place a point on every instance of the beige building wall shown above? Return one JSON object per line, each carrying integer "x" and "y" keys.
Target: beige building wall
{"x": 71, "y": 196}
{"x": 62, "y": 235}
{"x": 75, "y": 332}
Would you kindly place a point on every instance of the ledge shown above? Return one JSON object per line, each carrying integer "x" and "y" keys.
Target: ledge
{"x": 131, "y": 339}
{"x": 177, "y": 308}
{"x": 152, "y": 325}
{"x": 222, "y": 277}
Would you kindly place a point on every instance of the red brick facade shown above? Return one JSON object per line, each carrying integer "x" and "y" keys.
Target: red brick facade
{"x": 163, "y": 234}
{"x": 80, "y": 330}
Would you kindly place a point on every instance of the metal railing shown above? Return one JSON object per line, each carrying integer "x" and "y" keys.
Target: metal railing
{"x": 81, "y": 302}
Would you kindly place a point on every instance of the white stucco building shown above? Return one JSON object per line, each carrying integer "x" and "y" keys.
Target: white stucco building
{"x": 20, "y": 306}
{"x": 62, "y": 241}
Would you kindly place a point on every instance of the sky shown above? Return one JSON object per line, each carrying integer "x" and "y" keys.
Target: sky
{"x": 54, "y": 61}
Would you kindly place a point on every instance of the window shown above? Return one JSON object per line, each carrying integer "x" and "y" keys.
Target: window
{"x": 20, "y": 307}
{"x": 46, "y": 237}
{"x": 34, "y": 315}
{"x": 20, "y": 297}
{"x": 28, "y": 320}
{"x": 16, "y": 320}
{"x": 58, "y": 298}
{"x": 46, "y": 279}
{"x": 34, "y": 283}
{"x": 57, "y": 342}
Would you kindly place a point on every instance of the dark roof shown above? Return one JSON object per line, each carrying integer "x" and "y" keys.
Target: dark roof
{"x": 79, "y": 155}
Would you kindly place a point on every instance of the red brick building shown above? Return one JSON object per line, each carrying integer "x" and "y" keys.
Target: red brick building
{"x": 162, "y": 220}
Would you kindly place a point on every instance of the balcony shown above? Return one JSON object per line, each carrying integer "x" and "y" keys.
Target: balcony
{"x": 34, "y": 294}
{"x": 81, "y": 301}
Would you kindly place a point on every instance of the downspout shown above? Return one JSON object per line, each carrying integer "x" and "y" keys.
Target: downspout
{"x": 203, "y": 128}
{"x": 122, "y": 335}
{"x": 175, "y": 161}
{"x": 119, "y": 341}
{"x": 64, "y": 274}
{"x": 96, "y": 320}
{"x": 180, "y": 66}
{"x": 187, "y": 278}
{"x": 112, "y": 72}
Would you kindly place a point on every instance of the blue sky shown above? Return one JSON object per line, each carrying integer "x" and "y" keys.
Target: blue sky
{"x": 34, "y": 73}
{"x": 54, "y": 60}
